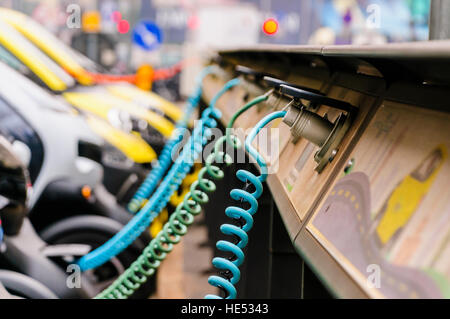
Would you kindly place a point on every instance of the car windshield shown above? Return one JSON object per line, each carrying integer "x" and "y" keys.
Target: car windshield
{"x": 22, "y": 44}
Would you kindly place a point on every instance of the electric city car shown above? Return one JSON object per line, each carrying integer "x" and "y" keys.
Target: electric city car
{"x": 63, "y": 155}
{"x": 66, "y": 157}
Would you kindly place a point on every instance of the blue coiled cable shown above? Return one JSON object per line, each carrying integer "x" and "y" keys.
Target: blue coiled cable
{"x": 168, "y": 186}
{"x": 238, "y": 213}
{"x": 165, "y": 158}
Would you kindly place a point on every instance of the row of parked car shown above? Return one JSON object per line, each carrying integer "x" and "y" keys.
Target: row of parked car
{"x": 72, "y": 153}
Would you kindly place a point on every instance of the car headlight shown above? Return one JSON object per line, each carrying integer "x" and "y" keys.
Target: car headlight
{"x": 120, "y": 119}
{"x": 84, "y": 165}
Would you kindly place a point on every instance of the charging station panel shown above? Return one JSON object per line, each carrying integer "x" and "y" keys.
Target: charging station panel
{"x": 374, "y": 220}
{"x": 297, "y": 173}
{"x": 385, "y": 220}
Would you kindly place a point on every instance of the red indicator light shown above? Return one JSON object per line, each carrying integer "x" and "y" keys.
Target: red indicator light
{"x": 270, "y": 26}
{"x": 123, "y": 26}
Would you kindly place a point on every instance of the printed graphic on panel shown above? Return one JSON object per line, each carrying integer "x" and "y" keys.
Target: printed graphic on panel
{"x": 405, "y": 198}
{"x": 392, "y": 212}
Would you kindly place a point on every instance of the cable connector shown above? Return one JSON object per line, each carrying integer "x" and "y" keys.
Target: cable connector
{"x": 311, "y": 126}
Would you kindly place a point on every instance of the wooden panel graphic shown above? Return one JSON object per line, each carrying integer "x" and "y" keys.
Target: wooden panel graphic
{"x": 387, "y": 221}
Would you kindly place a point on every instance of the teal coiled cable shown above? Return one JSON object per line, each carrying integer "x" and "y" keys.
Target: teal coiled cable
{"x": 176, "y": 227}
{"x": 231, "y": 266}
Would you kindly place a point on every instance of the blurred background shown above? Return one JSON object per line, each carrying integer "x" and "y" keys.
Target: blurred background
{"x": 121, "y": 35}
{"x": 60, "y": 107}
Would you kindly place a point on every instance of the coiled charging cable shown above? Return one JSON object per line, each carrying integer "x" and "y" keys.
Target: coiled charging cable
{"x": 168, "y": 186}
{"x": 177, "y": 225}
{"x": 243, "y": 218}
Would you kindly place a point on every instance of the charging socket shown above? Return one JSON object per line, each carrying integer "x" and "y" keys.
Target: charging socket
{"x": 317, "y": 129}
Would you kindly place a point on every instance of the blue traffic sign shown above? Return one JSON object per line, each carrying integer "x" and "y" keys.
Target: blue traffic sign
{"x": 147, "y": 35}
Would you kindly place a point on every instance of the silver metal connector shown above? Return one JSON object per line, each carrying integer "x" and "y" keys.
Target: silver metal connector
{"x": 318, "y": 130}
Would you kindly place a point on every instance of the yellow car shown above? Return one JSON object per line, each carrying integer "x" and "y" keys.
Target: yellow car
{"x": 82, "y": 68}
{"x": 407, "y": 196}
{"x": 97, "y": 100}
